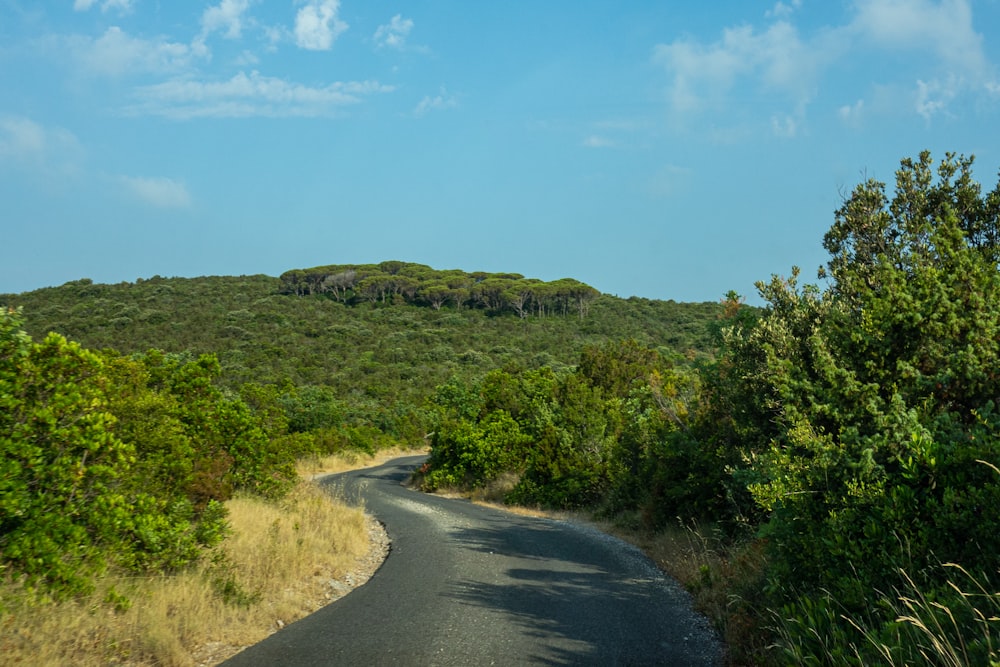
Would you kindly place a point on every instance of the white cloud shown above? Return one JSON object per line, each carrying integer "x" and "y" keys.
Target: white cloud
{"x": 943, "y": 29}
{"x": 920, "y": 25}
{"x": 393, "y": 34}
{"x": 597, "y": 141}
{"x": 275, "y": 35}
{"x": 246, "y": 58}
{"x": 703, "y": 75}
{"x": 226, "y": 17}
{"x": 250, "y": 95}
{"x": 784, "y": 125}
{"x": 777, "y": 59}
{"x": 783, "y": 11}
{"x": 851, "y": 115}
{"x": 932, "y": 97}
{"x": 123, "y": 6}
{"x": 159, "y": 192}
{"x": 116, "y": 53}
{"x": 21, "y": 138}
{"x": 669, "y": 181}
{"x": 27, "y": 143}
{"x": 439, "y": 102}
{"x": 317, "y": 25}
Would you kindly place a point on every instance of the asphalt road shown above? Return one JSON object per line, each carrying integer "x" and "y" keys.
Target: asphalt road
{"x": 468, "y": 585}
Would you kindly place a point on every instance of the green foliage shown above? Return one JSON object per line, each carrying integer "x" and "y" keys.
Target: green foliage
{"x": 60, "y": 496}
{"x": 380, "y": 361}
{"x": 473, "y": 454}
{"x": 855, "y": 427}
{"x": 116, "y": 461}
{"x": 876, "y": 397}
{"x": 603, "y": 434}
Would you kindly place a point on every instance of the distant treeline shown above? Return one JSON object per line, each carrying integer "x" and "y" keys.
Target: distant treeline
{"x": 417, "y": 284}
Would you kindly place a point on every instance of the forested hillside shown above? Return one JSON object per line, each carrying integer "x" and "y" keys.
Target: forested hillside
{"x": 379, "y": 358}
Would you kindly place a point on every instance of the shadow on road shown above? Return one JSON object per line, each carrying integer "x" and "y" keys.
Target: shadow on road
{"x": 580, "y": 600}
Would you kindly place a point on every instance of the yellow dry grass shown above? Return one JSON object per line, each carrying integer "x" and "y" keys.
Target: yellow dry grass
{"x": 313, "y": 467}
{"x": 276, "y": 567}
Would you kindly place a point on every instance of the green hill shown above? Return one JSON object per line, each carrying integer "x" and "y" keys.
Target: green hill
{"x": 380, "y": 336}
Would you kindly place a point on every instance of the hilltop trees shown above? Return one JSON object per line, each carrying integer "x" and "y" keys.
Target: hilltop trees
{"x": 421, "y": 285}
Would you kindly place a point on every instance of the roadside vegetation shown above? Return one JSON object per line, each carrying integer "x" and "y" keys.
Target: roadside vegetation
{"x": 275, "y": 566}
{"x": 822, "y": 473}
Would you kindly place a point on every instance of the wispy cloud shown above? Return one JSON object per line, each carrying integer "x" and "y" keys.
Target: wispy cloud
{"x": 852, "y": 114}
{"x": 439, "y": 102}
{"x": 393, "y": 35}
{"x": 784, "y": 125}
{"x": 597, "y": 141}
{"x": 159, "y": 192}
{"x": 932, "y": 97}
{"x": 777, "y": 58}
{"x": 116, "y": 53}
{"x": 668, "y": 181}
{"x": 944, "y": 29}
{"x": 317, "y": 25}
{"x": 783, "y": 11}
{"x": 226, "y": 17}
{"x": 123, "y": 6}
{"x": 251, "y": 94}
{"x": 25, "y": 143}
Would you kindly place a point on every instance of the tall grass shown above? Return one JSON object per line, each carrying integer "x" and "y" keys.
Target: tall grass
{"x": 276, "y": 566}
{"x": 954, "y": 625}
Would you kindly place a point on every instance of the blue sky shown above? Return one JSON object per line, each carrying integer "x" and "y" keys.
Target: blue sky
{"x": 670, "y": 150}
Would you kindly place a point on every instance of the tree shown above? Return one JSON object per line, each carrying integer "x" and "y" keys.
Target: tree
{"x": 882, "y": 390}
{"x": 490, "y": 293}
{"x": 435, "y": 294}
{"x": 376, "y": 287}
{"x": 339, "y": 284}
{"x": 616, "y": 366}
{"x": 76, "y": 493}
{"x": 60, "y": 463}
{"x": 519, "y": 296}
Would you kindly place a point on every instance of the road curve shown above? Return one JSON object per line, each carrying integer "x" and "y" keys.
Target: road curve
{"x": 468, "y": 585}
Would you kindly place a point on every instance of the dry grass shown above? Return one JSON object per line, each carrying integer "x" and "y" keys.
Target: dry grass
{"x": 313, "y": 467}
{"x": 282, "y": 562}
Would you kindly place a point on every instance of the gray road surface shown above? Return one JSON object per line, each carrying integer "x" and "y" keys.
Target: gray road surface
{"x": 467, "y": 585}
